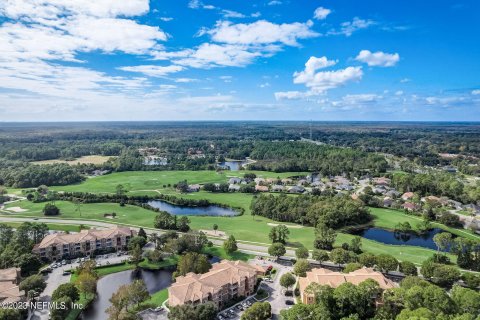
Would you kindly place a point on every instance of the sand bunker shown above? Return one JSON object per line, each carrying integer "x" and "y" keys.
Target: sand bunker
{"x": 288, "y": 226}
{"x": 16, "y": 209}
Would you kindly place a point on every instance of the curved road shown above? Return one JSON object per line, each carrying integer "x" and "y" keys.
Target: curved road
{"x": 251, "y": 248}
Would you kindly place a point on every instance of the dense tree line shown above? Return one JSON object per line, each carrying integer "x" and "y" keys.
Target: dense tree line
{"x": 28, "y": 175}
{"x": 334, "y": 212}
{"x": 16, "y": 246}
{"x": 304, "y": 156}
{"x": 436, "y": 183}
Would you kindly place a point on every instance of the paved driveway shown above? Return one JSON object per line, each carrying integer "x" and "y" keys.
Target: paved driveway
{"x": 56, "y": 278}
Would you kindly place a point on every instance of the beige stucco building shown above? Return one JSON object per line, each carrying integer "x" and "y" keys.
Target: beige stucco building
{"x": 9, "y": 290}
{"x": 61, "y": 245}
{"x": 335, "y": 279}
{"x": 225, "y": 281}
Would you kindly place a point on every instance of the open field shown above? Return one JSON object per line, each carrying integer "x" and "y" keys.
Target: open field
{"x": 82, "y": 160}
{"x": 245, "y": 228}
{"x": 144, "y": 181}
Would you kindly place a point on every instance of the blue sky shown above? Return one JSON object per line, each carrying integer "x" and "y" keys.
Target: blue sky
{"x": 239, "y": 60}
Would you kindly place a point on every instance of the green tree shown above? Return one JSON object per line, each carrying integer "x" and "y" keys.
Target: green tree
{"x": 192, "y": 262}
{"x": 356, "y": 244}
{"x": 204, "y": 311}
{"x": 442, "y": 240}
{"x": 324, "y": 237}
{"x": 258, "y": 311}
{"x": 66, "y": 290}
{"x": 87, "y": 283}
{"x": 61, "y": 313}
{"x": 35, "y": 283}
{"x": 183, "y": 224}
{"x": 320, "y": 255}
{"x": 215, "y": 227}
{"x": 120, "y": 190}
{"x": 367, "y": 259}
{"x": 352, "y": 266}
{"x": 301, "y": 253}
{"x": 277, "y": 250}
{"x": 142, "y": 233}
{"x": 287, "y": 280}
{"x": 420, "y": 314}
{"x": 301, "y": 267}
{"x": 137, "y": 292}
{"x": 466, "y": 300}
{"x": 230, "y": 245}
{"x": 28, "y": 264}
{"x": 164, "y": 220}
{"x": 136, "y": 256}
{"x": 279, "y": 233}
{"x": 136, "y": 241}
{"x": 387, "y": 262}
{"x": 340, "y": 256}
{"x": 50, "y": 210}
{"x": 408, "y": 268}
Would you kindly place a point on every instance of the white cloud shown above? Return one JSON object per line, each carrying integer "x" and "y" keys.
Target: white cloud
{"x": 399, "y": 93}
{"x": 261, "y": 32}
{"x": 349, "y": 27}
{"x": 264, "y": 85}
{"x": 378, "y": 59}
{"x": 197, "y": 4}
{"x": 351, "y": 101}
{"x": 274, "y": 3}
{"x": 476, "y": 92}
{"x": 152, "y": 70}
{"x": 320, "y": 82}
{"x": 232, "y": 14}
{"x": 209, "y": 55}
{"x": 405, "y": 80}
{"x": 185, "y": 80}
{"x": 166, "y": 19}
{"x": 321, "y": 13}
{"x": 256, "y": 14}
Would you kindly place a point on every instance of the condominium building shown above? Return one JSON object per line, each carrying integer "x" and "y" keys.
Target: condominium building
{"x": 225, "y": 281}
{"x": 335, "y": 279}
{"x": 9, "y": 290}
{"x": 61, "y": 245}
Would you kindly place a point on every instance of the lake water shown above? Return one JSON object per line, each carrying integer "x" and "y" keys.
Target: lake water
{"x": 192, "y": 211}
{"x": 155, "y": 281}
{"x": 234, "y": 165}
{"x": 389, "y": 237}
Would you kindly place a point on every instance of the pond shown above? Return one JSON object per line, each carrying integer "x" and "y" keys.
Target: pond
{"x": 211, "y": 210}
{"x": 155, "y": 281}
{"x": 234, "y": 165}
{"x": 390, "y": 237}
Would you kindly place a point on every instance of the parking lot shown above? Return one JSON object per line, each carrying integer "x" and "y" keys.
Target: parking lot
{"x": 60, "y": 275}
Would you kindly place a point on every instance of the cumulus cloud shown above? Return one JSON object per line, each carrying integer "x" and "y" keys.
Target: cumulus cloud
{"x": 352, "y": 101}
{"x": 378, "y": 59}
{"x": 274, "y": 3}
{"x": 349, "y": 27}
{"x": 476, "y": 92}
{"x": 320, "y": 82}
{"x": 152, "y": 70}
{"x": 261, "y": 32}
{"x": 321, "y": 13}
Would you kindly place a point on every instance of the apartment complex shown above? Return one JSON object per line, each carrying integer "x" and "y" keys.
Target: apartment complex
{"x": 335, "y": 279}
{"x": 59, "y": 246}
{"x": 225, "y": 281}
{"x": 9, "y": 290}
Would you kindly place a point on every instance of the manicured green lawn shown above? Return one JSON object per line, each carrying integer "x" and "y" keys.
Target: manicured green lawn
{"x": 222, "y": 254}
{"x": 158, "y": 297}
{"x": 154, "y": 180}
{"x": 51, "y": 226}
{"x": 388, "y": 219}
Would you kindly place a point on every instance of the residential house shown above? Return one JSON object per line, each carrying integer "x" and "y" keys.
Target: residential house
{"x": 226, "y": 281}
{"x": 260, "y": 188}
{"x": 387, "y": 202}
{"x": 392, "y": 194}
{"x": 410, "y": 206}
{"x": 277, "y": 188}
{"x": 193, "y": 187}
{"x": 287, "y": 181}
{"x": 334, "y": 279}
{"x": 233, "y": 187}
{"x": 259, "y": 180}
{"x": 382, "y": 181}
{"x": 296, "y": 189}
{"x": 57, "y": 246}
{"x": 407, "y": 196}
{"x": 9, "y": 290}
{"x": 234, "y": 180}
